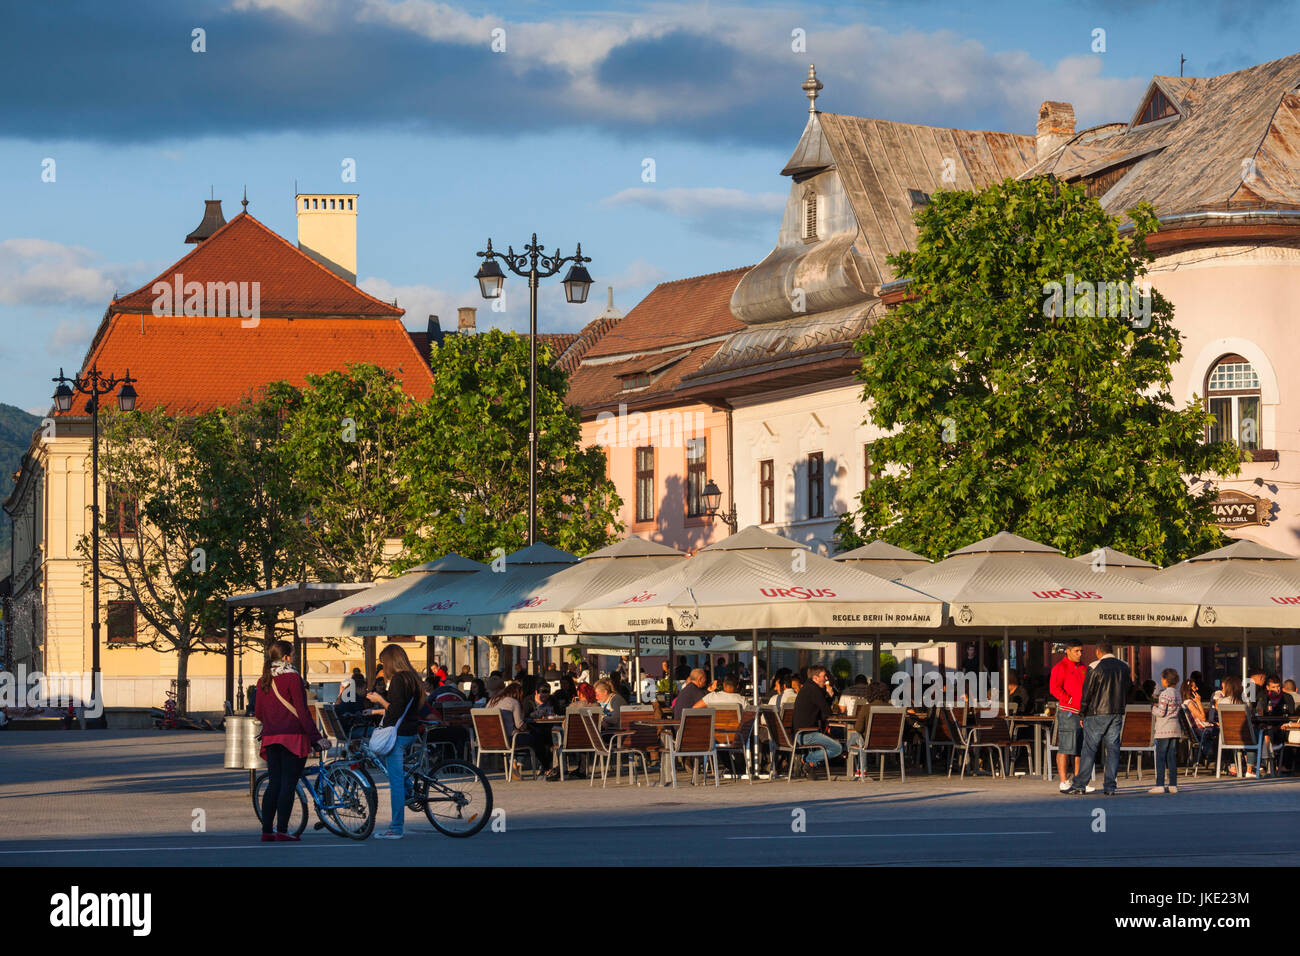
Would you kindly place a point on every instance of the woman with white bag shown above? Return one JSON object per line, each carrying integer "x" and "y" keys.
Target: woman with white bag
{"x": 397, "y": 729}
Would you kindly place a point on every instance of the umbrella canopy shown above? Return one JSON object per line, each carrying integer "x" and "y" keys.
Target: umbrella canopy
{"x": 883, "y": 560}
{"x": 757, "y": 580}
{"x": 657, "y": 644}
{"x": 1242, "y": 585}
{"x": 368, "y": 614}
{"x": 1010, "y": 581}
{"x": 1111, "y": 560}
{"x": 545, "y": 606}
{"x": 448, "y": 615}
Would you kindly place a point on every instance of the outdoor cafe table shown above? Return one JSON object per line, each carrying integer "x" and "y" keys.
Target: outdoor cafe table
{"x": 1042, "y": 727}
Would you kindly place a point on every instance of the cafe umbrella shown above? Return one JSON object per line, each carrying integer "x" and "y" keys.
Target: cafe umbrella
{"x": 1007, "y": 581}
{"x": 758, "y": 581}
{"x": 1244, "y": 586}
{"x": 889, "y": 562}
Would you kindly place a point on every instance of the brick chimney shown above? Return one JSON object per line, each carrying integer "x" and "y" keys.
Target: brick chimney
{"x": 466, "y": 320}
{"x": 1055, "y": 126}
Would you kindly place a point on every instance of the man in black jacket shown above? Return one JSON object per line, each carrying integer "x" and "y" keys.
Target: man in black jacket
{"x": 1105, "y": 692}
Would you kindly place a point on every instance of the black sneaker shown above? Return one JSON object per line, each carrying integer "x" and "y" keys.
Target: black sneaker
{"x": 553, "y": 773}
{"x": 1073, "y": 791}
{"x": 1109, "y": 793}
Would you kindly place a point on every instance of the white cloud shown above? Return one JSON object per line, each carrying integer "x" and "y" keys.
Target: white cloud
{"x": 38, "y": 272}
{"x": 699, "y": 201}
{"x": 70, "y": 338}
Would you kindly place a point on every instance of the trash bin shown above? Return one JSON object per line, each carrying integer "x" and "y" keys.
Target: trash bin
{"x": 253, "y": 745}
{"x": 236, "y": 733}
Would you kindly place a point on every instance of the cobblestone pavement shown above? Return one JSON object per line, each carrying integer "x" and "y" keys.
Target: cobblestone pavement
{"x": 132, "y": 798}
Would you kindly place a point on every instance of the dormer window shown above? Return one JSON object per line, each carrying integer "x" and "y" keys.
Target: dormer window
{"x": 635, "y": 380}
{"x": 1157, "y": 107}
{"x": 809, "y": 215}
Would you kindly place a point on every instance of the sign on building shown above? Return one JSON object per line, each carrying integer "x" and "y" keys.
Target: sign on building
{"x": 1236, "y": 509}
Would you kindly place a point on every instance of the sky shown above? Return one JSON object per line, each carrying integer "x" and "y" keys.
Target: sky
{"x": 653, "y": 133}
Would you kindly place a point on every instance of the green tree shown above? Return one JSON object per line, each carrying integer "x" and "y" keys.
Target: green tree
{"x": 243, "y": 456}
{"x": 1011, "y": 407}
{"x": 164, "y": 543}
{"x": 468, "y": 458}
{"x": 343, "y": 436}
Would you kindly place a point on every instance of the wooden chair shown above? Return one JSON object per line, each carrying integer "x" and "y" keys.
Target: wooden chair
{"x": 457, "y": 714}
{"x": 1195, "y": 740}
{"x": 996, "y": 733}
{"x": 943, "y": 735}
{"x": 580, "y": 738}
{"x": 727, "y": 721}
{"x": 884, "y": 735}
{"x": 782, "y": 741}
{"x": 605, "y": 750}
{"x": 1236, "y": 733}
{"x": 694, "y": 738}
{"x": 968, "y": 739}
{"x": 1137, "y": 736}
{"x": 634, "y": 739}
{"x": 490, "y": 737}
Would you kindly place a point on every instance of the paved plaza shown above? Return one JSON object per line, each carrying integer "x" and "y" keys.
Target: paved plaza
{"x": 117, "y": 798}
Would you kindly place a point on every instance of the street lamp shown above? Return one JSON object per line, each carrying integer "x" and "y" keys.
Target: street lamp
{"x": 94, "y": 383}
{"x": 533, "y": 264}
{"x": 712, "y": 496}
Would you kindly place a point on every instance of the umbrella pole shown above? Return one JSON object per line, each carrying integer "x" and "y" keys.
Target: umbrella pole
{"x": 636, "y": 666}
{"x": 1006, "y": 674}
{"x": 1244, "y": 678}
{"x": 770, "y": 669}
{"x": 875, "y": 656}
{"x": 979, "y": 668}
{"x": 753, "y": 728}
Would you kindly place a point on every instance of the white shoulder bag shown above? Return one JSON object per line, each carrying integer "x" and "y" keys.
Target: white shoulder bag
{"x": 384, "y": 739}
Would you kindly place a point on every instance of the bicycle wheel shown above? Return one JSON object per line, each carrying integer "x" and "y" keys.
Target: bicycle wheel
{"x": 351, "y": 801}
{"x": 457, "y": 798}
{"x": 298, "y": 811}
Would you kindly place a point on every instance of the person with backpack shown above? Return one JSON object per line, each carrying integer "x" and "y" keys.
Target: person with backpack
{"x": 401, "y": 709}
{"x": 289, "y": 735}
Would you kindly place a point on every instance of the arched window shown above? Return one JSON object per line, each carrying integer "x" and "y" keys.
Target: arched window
{"x": 809, "y": 215}
{"x": 1232, "y": 397}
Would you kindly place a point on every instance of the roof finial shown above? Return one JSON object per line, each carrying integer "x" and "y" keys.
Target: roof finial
{"x": 244, "y": 201}
{"x": 611, "y": 296}
{"x": 812, "y": 86}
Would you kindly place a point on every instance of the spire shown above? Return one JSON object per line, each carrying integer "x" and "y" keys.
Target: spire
{"x": 244, "y": 202}
{"x": 812, "y": 86}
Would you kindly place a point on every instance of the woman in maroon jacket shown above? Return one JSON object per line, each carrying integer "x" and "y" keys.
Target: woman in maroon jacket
{"x": 288, "y": 735}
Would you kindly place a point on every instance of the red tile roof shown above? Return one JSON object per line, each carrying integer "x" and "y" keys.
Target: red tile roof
{"x": 593, "y": 388}
{"x": 192, "y": 364}
{"x": 289, "y": 281}
{"x": 674, "y": 313}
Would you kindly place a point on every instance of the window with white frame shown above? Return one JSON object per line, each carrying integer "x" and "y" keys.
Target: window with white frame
{"x": 1233, "y": 398}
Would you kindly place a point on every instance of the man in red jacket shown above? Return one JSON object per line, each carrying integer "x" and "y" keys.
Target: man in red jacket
{"x": 1066, "y": 685}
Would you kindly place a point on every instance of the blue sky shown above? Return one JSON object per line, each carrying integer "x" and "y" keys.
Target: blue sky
{"x": 455, "y": 142}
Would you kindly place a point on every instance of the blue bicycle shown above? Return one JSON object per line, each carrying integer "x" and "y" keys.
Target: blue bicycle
{"x": 343, "y": 798}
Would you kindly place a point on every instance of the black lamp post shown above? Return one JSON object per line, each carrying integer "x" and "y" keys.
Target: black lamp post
{"x": 94, "y": 383}
{"x": 533, "y": 264}
{"x": 712, "y": 500}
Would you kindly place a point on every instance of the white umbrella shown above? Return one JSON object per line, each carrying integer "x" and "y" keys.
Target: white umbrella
{"x": 1242, "y": 585}
{"x": 545, "y": 605}
{"x": 367, "y": 614}
{"x": 487, "y": 591}
{"x": 883, "y": 560}
{"x": 1108, "y": 559}
{"x": 757, "y": 580}
{"x": 1010, "y": 581}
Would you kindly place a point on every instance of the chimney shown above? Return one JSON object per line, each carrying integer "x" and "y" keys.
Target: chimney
{"x": 465, "y": 320}
{"x": 435, "y": 331}
{"x": 1055, "y": 127}
{"x": 212, "y": 221}
{"x": 327, "y": 230}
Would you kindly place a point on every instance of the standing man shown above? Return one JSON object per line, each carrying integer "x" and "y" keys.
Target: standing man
{"x": 811, "y": 708}
{"x": 1105, "y": 692}
{"x": 1066, "y": 685}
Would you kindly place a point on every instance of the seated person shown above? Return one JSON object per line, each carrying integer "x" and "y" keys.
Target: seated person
{"x": 1018, "y": 698}
{"x": 727, "y": 695}
{"x": 784, "y": 693}
{"x": 692, "y": 692}
{"x": 811, "y": 709}
{"x": 857, "y": 689}
{"x": 542, "y": 706}
{"x": 611, "y": 702}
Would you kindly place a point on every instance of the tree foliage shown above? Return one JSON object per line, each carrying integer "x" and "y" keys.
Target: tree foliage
{"x": 468, "y": 459}
{"x": 1006, "y": 411}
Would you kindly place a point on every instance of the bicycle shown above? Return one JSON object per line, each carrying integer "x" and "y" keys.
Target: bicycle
{"x": 452, "y": 793}
{"x": 343, "y": 798}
